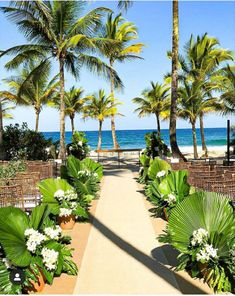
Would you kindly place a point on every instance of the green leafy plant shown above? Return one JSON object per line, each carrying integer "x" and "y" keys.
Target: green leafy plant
{"x": 61, "y": 198}
{"x": 143, "y": 172}
{"x": 155, "y": 145}
{"x": 166, "y": 193}
{"x": 31, "y": 243}
{"x": 84, "y": 175}
{"x": 157, "y": 168}
{"x": 78, "y": 147}
{"x": 12, "y": 168}
{"x": 202, "y": 229}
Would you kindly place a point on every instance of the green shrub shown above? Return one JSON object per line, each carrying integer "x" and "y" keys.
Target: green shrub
{"x": 168, "y": 191}
{"x": 202, "y": 229}
{"x": 11, "y": 169}
{"x": 79, "y": 147}
{"x": 158, "y": 168}
{"x": 23, "y": 143}
{"x": 155, "y": 146}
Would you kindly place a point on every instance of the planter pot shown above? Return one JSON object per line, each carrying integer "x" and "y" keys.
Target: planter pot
{"x": 38, "y": 285}
{"x": 165, "y": 214}
{"x": 67, "y": 222}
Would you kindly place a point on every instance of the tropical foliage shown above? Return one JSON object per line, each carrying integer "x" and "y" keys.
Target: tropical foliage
{"x": 33, "y": 243}
{"x": 79, "y": 146}
{"x": 201, "y": 228}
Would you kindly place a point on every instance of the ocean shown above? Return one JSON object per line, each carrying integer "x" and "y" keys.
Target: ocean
{"x": 215, "y": 137}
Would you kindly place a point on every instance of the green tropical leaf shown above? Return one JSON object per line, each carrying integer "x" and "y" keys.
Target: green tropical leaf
{"x": 13, "y": 223}
{"x": 38, "y": 216}
{"x": 92, "y": 166}
{"x": 6, "y": 286}
{"x": 157, "y": 165}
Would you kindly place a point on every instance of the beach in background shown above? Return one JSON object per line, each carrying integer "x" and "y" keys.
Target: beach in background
{"x": 215, "y": 139}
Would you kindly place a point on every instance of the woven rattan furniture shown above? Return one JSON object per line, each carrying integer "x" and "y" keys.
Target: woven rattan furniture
{"x": 12, "y": 195}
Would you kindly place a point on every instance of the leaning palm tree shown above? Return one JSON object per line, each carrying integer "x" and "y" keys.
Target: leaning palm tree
{"x": 32, "y": 87}
{"x": 73, "y": 101}
{"x": 121, "y": 32}
{"x": 100, "y": 106}
{"x": 155, "y": 100}
{"x": 58, "y": 30}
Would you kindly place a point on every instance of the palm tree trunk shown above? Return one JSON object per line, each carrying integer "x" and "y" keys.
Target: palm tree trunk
{"x": 158, "y": 125}
{"x": 174, "y": 83}
{"x": 113, "y": 128}
{"x": 72, "y": 123}
{"x": 194, "y": 140}
{"x": 62, "y": 153}
{"x": 204, "y": 148}
{"x": 37, "y": 120}
{"x": 100, "y": 135}
{"x": 2, "y": 154}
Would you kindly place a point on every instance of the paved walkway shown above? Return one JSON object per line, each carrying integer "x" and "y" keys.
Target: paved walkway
{"x": 118, "y": 258}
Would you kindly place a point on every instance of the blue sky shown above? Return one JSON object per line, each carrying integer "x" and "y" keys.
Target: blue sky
{"x": 153, "y": 19}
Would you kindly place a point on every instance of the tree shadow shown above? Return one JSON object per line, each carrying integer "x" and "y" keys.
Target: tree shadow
{"x": 156, "y": 265}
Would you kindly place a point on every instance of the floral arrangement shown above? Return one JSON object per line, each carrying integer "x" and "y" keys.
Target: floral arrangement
{"x": 35, "y": 244}
{"x": 206, "y": 242}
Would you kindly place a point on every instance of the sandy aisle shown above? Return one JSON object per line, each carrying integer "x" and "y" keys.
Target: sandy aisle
{"x": 118, "y": 258}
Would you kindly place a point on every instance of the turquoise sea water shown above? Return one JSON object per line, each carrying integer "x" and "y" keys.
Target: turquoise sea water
{"x": 135, "y": 138}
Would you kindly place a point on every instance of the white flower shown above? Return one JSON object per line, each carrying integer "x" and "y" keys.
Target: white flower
{"x": 53, "y": 232}
{"x": 7, "y": 263}
{"x": 199, "y": 236}
{"x": 70, "y": 195}
{"x": 73, "y": 205}
{"x": 34, "y": 239}
{"x": 80, "y": 143}
{"x": 49, "y": 258}
{"x": 170, "y": 199}
{"x": 59, "y": 194}
{"x": 206, "y": 253}
{"x": 65, "y": 212}
{"x": 95, "y": 175}
{"x": 161, "y": 174}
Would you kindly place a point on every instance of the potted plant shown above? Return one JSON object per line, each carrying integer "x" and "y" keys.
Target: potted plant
{"x": 202, "y": 229}
{"x": 165, "y": 193}
{"x": 62, "y": 200}
{"x": 34, "y": 244}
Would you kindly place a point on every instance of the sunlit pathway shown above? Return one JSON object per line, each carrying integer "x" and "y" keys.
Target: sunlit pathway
{"x": 118, "y": 257}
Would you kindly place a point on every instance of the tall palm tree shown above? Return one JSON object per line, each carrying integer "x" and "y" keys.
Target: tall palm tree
{"x": 174, "y": 81}
{"x": 194, "y": 100}
{"x": 32, "y": 87}
{"x": 203, "y": 57}
{"x": 100, "y": 106}
{"x": 125, "y": 4}
{"x": 58, "y": 30}
{"x": 155, "y": 100}
{"x": 121, "y": 32}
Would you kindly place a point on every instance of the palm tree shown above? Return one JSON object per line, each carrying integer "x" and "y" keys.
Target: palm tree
{"x": 121, "y": 32}
{"x": 194, "y": 100}
{"x": 174, "y": 81}
{"x": 99, "y": 106}
{"x": 59, "y": 30}
{"x": 154, "y": 101}
{"x": 203, "y": 57}
{"x": 125, "y": 4}
{"x": 73, "y": 101}
{"x": 31, "y": 87}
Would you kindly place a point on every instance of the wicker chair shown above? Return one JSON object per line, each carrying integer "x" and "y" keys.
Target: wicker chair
{"x": 12, "y": 195}
{"x": 45, "y": 169}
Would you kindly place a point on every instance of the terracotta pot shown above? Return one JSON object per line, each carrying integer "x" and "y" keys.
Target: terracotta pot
{"x": 67, "y": 222}
{"x": 165, "y": 214}
{"x": 38, "y": 285}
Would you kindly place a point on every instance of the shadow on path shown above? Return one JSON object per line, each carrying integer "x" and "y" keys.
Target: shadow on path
{"x": 154, "y": 264}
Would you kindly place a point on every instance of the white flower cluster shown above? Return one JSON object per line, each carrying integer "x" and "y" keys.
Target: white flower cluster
{"x": 170, "y": 199}
{"x": 87, "y": 173}
{"x": 49, "y": 258}
{"x": 199, "y": 236}
{"x": 161, "y": 174}
{"x": 80, "y": 143}
{"x": 65, "y": 195}
{"x": 34, "y": 239}
{"x": 53, "y": 232}
{"x": 65, "y": 212}
{"x": 73, "y": 205}
{"x": 206, "y": 253}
